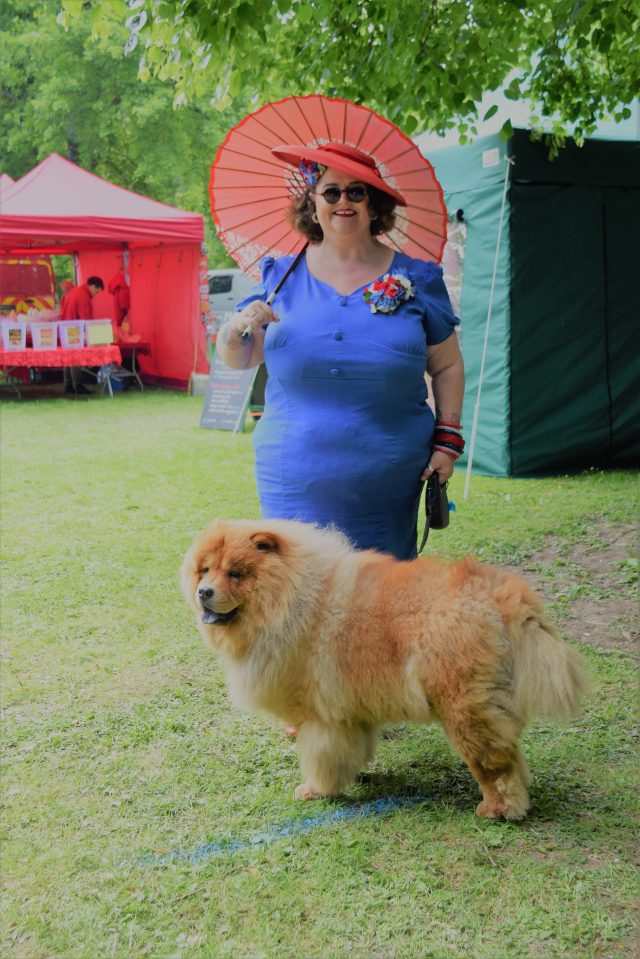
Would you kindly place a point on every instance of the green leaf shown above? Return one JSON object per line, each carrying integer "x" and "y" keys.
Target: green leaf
{"x": 73, "y": 7}
{"x": 621, "y": 24}
{"x": 154, "y": 54}
{"x": 512, "y": 92}
{"x": 410, "y": 124}
{"x": 506, "y": 130}
{"x": 246, "y": 13}
{"x": 236, "y": 83}
{"x": 491, "y": 112}
{"x": 304, "y": 13}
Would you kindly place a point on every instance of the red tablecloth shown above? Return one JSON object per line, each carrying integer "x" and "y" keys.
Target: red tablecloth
{"x": 90, "y": 356}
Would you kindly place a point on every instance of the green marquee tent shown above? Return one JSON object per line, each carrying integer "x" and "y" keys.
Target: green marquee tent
{"x": 559, "y": 389}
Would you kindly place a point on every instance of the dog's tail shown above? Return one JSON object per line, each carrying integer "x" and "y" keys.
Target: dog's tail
{"x": 549, "y": 678}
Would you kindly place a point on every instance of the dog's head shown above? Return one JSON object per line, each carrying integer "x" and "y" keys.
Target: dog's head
{"x": 234, "y": 573}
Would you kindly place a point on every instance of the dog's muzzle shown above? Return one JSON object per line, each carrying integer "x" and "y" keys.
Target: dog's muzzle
{"x": 210, "y": 616}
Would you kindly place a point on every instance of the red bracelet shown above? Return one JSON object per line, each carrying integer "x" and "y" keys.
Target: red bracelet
{"x": 447, "y": 438}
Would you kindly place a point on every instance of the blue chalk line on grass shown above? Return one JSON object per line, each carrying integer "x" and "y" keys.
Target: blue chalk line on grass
{"x": 294, "y": 827}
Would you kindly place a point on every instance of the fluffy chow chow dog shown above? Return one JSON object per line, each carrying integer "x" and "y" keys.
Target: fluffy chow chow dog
{"x": 339, "y": 642}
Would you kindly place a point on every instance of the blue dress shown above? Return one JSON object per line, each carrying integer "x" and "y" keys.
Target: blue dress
{"x": 346, "y": 430}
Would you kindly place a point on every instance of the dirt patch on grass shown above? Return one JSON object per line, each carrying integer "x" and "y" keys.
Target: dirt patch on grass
{"x": 591, "y": 586}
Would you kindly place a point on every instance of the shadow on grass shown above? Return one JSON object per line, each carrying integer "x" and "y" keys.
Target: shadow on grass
{"x": 557, "y": 794}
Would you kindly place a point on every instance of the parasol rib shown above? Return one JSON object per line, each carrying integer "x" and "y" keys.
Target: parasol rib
{"x": 364, "y": 129}
{"x": 254, "y": 219}
{"x": 384, "y": 139}
{"x": 254, "y": 239}
{"x": 267, "y": 158}
{"x": 237, "y": 206}
{"x": 286, "y": 123}
{"x": 425, "y": 229}
{"x": 251, "y": 156}
{"x": 392, "y": 243}
{"x": 313, "y": 136}
{"x": 324, "y": 117}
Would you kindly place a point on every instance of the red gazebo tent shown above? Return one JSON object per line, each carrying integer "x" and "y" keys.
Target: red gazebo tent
{"x": 5, "y": 183}
{"x": 59, "y": 208}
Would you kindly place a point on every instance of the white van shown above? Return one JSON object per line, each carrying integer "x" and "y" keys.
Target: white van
{"x": 226, "y": 288}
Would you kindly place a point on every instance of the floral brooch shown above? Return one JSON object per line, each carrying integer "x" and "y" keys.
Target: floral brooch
{"x": 386, "y": 295}
{"x": 311, "y": 171}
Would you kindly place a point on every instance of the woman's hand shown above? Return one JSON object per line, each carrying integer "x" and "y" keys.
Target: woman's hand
{"x": 441, "y": 464}
{"x": 240, "y": 340}
{"x": 253, "y": 318}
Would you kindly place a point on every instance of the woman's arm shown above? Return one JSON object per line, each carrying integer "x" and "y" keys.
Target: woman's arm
{"x": 244, "y": 352}
{"x": 446, "y": 369}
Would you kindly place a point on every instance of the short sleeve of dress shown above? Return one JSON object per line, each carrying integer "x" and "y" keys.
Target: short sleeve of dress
{"x": 262, "y": 289}
{"x": 439, "y": 320}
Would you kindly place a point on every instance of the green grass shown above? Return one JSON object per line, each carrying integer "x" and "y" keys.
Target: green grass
{"x": 120, "y": 746}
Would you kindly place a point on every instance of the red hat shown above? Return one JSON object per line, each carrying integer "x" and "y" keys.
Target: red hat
{"x": 341, "y": 157}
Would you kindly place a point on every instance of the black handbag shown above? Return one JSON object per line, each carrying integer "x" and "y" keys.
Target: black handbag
{"x": 436, "y": 505}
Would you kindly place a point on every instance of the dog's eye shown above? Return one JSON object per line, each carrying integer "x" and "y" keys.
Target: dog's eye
{"x": 234, "y": 574}
{"x": 203, "y": 570}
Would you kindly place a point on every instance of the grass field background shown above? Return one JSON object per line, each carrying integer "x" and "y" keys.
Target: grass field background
{"x": 144, "y": 817}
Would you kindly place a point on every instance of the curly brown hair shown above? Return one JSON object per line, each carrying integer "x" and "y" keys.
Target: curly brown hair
{"x": 302, "y": 208}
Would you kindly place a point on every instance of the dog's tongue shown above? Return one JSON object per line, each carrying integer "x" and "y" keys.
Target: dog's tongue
{"x": 209, "y": 616}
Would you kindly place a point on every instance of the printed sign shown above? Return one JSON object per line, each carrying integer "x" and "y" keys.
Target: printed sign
{"x": 227, "y": 397}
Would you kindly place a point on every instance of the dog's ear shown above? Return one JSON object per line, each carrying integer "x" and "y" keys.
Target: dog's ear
{"x": 267, "y": 542}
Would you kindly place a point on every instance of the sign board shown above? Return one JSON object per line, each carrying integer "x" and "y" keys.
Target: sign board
{"x": 490, "y": 157}
{"x": 227, "y": 397}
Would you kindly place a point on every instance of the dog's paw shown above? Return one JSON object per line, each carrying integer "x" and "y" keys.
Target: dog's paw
{"x": 488, "y": 810}
{"x": 305, "y": 792}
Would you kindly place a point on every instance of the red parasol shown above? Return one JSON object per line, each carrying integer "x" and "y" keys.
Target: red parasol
{"x": 251, "y": 189}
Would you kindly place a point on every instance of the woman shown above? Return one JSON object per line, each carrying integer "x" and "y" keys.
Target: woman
{"x": 347, "y": 437}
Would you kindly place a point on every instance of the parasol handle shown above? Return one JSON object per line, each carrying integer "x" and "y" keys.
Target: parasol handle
{"x": 246, "y": 333}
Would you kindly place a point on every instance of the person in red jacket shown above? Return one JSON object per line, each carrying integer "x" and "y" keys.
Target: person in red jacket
{"x": 77, "y": 305}
{"x": 119, "y": 289}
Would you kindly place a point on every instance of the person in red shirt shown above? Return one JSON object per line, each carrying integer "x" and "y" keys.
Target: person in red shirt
{"x": 77, "y": 305}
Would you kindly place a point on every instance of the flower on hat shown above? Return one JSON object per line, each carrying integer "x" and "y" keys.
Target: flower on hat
{"x": 386, "y": 294}
{"x": 311, "y": 171}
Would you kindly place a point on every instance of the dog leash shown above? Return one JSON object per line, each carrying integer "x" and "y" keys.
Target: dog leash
{"x": 436, "y": 506}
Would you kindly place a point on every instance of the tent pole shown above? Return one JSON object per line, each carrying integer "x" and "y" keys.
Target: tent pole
{"x": 476, "y": 411}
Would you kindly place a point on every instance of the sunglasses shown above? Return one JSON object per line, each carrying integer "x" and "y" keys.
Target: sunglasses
{"x": 355, "y": 194}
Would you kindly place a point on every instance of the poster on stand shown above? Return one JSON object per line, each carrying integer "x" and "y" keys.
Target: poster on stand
{"x": 227, "y": 397}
